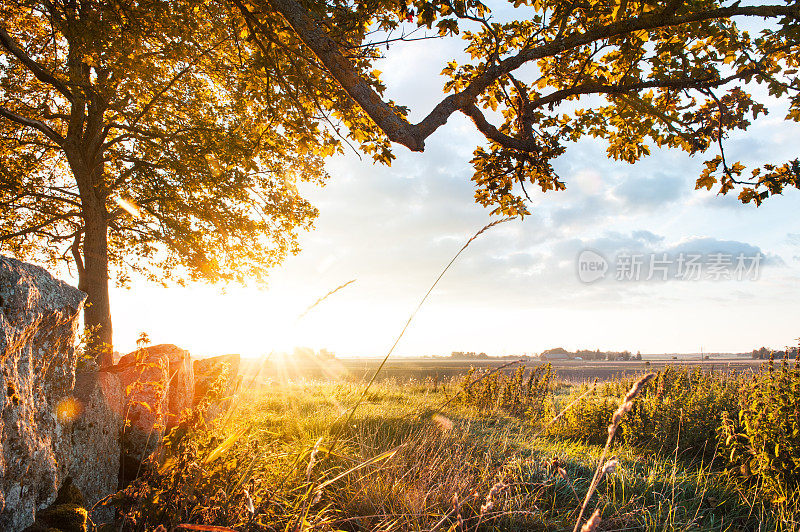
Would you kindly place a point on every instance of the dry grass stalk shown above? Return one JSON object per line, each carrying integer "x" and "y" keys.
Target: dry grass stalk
{"x": 592, "y": 523}
{"x": 312, "y": 459}
{"x": 563, "y": 474}
{"x": 323, "y": 298}
{"x": 624, "y": 407}
{"x": 337, "y": 434}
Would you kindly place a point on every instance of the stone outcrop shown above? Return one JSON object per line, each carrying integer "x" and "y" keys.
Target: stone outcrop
{"x": 66, "y": 514}
{"x": 180, "y": 390}
{"x": 206, "y": 373}
{"x": 144, "y": 377}
{"x": 55, "y": 425}
{"x": 95, "y": 439}
{"x": 38, "y": 321}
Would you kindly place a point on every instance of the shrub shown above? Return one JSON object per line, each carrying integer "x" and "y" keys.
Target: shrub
{"x": 587, "y": 419}
{"x": 514, "y": 394}
{"x": 762, "y": 442}
{"x": 679, "y": 409}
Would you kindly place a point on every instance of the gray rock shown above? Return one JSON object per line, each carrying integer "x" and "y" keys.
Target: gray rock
{"x": 38, "y": 323}
{"x": 207, "y": 371}
{"x": 180, "y": 389}
{"x": 95, "y": 439}
{"x": 144, "y": 377}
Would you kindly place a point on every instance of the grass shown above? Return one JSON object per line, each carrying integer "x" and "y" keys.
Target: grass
{"x": 432, "y": 472}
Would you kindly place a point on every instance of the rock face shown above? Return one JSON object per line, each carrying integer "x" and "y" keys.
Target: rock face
{"x": 144, "y": 377}
{"x": 95, "y": 445}
{"x": 38, "y": 321}
{"x": 180, "y": 390}
{"x": 207, "y": 371}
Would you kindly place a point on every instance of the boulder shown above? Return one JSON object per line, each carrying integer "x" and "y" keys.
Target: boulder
{"x": 180, "y": 391}
{"x": 144, "y": 377}
{"x": 66, "y": 514}
{"x": 95, "y": 439}
{"x": 180, "y": 387}
{"x": 38, "y": 324}
{"x": 206, "y": 373}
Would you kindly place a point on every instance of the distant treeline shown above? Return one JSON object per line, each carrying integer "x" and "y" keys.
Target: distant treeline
{"x": 586, "y": 354}
{"x": 557, "y": 353}
{"x": 764, "y": 353}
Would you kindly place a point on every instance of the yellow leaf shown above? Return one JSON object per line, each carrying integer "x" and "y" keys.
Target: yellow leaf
{"x": 224, "y": 446}
{"x": 383, "y": 456}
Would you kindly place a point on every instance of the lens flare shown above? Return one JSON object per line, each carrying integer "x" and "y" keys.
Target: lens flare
{"x": 128, "y": 206}
{"x": 68, "y": 410}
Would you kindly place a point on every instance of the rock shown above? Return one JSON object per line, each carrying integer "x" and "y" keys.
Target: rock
{"x": 38, "y": 323}
{"x": 66, "y": 514}
{"x": 207, "y": 371}
{"x": 180, "y": 390}
{"x": 144, "y": 378}
{"x": 95, "y": 439}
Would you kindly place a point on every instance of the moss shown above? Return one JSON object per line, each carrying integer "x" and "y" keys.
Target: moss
{"x": 64, "y": 517}
{"x": 66, "y": 514}
{"x": 69, "y": 494}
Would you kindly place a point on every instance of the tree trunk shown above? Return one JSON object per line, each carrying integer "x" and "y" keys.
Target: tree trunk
{"x": 93, "y": 265}
{"x": 94, "y": 281}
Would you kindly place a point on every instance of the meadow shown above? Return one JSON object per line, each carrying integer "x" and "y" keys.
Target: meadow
{"x": 517, "y": 449}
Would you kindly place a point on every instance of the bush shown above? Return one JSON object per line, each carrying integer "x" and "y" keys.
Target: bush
{"x": 587, "y": 420}
{"x": 514, "y": 394}
{"x": 679, "y": 409}
{"x": 762, "y": 442}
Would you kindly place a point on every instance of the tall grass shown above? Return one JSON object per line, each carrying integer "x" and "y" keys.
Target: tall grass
{"x": 411, "y": 469}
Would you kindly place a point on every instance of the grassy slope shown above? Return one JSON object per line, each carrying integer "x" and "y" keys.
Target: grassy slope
{"x": 415, "y": 488}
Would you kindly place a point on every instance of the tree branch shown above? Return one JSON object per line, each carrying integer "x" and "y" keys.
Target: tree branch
{"x": 36, "y": 124}
{"x": 75, "y": 248}
{"x": 40, "y": 72}
{"x": 34, "y": 228}
{"x": 492, "y": 133}
{"x": 413, "y": 137}
{"x": 599, "y": 88}
{"x": 328, "y": 51}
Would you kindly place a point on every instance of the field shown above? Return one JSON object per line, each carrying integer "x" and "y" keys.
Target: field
{"x": 512, "y": 450}
{"x": 442, "y": 368}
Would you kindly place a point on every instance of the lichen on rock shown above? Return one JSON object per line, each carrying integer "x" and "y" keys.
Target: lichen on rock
{"x": 38, "y": 324}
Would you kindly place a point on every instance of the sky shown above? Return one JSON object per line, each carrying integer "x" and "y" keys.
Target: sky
{"x": 519, "y": 287}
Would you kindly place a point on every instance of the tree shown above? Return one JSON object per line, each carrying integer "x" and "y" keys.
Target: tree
{"x": 152, "y": 136}
{"x": 634, "y": 73}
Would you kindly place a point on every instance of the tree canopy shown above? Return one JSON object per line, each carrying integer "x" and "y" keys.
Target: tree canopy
{"x": 639, "y": 75}
{"x": 167, "y": 137}
{"x": 151, "y": 136}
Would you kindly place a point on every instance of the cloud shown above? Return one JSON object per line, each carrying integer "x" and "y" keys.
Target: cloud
{"x": 640, "y": 192}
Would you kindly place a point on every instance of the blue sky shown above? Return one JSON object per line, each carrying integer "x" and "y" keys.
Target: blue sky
{"x": 515, "y": 289}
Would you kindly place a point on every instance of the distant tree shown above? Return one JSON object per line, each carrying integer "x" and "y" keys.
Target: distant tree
{"x": 152, "y": 137}
{"x": 638, "y": 355}
{"x": 638, "y": 74}
{"x": 761, "y": 354}
{"x": 556, "y": 351}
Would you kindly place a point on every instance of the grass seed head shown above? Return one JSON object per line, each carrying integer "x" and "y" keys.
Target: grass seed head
{"x": 593, "y": 522}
